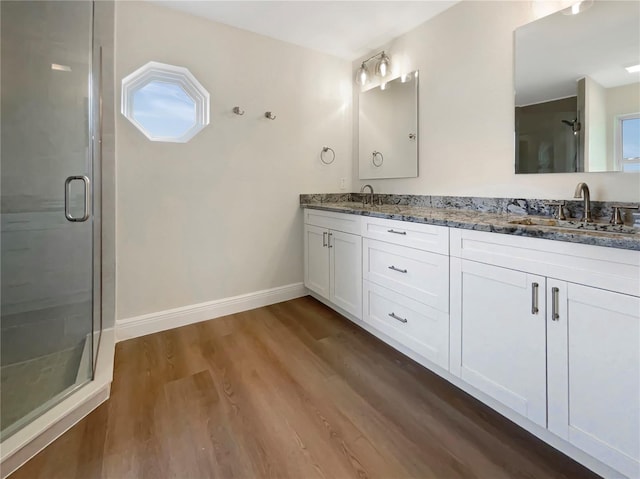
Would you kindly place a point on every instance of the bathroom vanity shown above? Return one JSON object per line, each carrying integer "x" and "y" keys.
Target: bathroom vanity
{"x": 539, "y": 322}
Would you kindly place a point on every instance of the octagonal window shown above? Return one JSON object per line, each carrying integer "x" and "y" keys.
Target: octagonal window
{"x": 165, "y": 102}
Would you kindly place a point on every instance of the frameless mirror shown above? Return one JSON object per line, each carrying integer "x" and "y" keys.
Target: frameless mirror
{"x": 388, "y": 129}
{"x": 577, "y": 95}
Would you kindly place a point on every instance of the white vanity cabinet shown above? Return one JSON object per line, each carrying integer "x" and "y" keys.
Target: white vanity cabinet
{"x": 552, "y": 331}
{"x": 594, "y": 373}
{"x": 405, "y": 271}
{"x": 545, "y": 332}
{"x": 501, "y": 347}
{"x": 333, "y": 258}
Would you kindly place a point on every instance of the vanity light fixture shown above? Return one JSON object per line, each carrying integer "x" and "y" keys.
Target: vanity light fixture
{"x": 383, "y": 68}
{"x": 633, "y": 68}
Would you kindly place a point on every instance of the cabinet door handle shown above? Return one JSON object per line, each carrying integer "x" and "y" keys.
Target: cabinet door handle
{"x": 324, "y": 239}
{"x": 393, "y": 315}
{"x": 397, "y": 269}
{"x": 534, "y": 298}
{"x": 397, "y": 232}
{"x": 555, "y": 304}
{"x": 329, "y": 240}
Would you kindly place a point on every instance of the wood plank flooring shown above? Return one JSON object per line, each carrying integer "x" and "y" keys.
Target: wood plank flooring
{"x": 292, "y": 390}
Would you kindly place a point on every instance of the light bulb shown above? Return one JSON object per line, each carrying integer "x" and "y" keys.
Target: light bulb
{"x": 384, "y": 65}
{"x": 362, "y": 75}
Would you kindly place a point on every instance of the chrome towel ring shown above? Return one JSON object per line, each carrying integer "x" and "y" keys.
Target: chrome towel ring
{"x": 376, "y": 155}
{"x": 322, "y": 155}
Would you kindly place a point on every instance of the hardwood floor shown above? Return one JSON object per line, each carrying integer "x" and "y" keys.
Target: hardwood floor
{"x": 291, "y": 390}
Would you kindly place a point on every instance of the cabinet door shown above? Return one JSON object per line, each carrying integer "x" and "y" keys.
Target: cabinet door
{"x": 316, "y": 260}
{"x": 501, "y": 329}
{"x": 346, "y": 271}
{"x": 594, "y": 402}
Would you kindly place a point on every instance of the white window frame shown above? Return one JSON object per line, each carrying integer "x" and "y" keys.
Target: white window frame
{"x": 620, "y": 161}
{"x": 163, "y": 72}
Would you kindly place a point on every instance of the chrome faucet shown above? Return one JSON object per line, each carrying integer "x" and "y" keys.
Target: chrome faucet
{"x": 582, "y": 191}
{"x": 364, "y": 201}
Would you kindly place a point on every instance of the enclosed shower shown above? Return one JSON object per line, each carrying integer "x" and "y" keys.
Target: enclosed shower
{"x": 51, "y": 132}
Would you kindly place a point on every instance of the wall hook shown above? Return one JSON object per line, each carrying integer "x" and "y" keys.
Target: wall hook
{"x": 238, "y": 111}
{"x": 269, "y": 115}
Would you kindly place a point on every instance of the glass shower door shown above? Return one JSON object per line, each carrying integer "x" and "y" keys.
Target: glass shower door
{"x": 47, "y": 222}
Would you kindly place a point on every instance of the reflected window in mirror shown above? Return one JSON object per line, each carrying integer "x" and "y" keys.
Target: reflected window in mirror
{"x": 388, "y": 129}
{"x": 572, "y": 87}
{"x": 628, "y": 146}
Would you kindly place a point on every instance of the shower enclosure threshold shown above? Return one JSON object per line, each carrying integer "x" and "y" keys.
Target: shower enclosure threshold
{"x": 21, "y": 446}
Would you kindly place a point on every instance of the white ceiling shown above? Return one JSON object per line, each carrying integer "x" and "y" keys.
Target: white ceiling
{"x": 347, "y": 29}
{"x": 554, "y": 52}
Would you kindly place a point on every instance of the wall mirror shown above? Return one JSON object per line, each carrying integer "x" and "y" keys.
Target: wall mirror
{"x": 388, "y": 129}
{"x": 577, "y": 90}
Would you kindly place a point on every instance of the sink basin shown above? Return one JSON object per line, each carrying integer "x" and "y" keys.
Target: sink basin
{"x": 575, "y": 225}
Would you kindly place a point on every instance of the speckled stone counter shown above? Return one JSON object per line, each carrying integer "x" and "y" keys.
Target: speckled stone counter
{"x": 481, "y": 214}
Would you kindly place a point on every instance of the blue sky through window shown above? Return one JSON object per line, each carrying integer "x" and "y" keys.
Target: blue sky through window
{"x": 631, "y": 138}
{"x": 164, "y": 109}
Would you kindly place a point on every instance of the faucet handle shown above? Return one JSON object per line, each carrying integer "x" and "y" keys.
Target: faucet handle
{"x": 560, "y": 205}
{"x": 616, "y": 217}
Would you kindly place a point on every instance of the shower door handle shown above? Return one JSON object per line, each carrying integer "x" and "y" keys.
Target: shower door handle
{"x": 87, "y": 196}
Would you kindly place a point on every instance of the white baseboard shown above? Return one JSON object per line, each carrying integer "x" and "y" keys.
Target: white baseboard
{"x": 174, "y": 318}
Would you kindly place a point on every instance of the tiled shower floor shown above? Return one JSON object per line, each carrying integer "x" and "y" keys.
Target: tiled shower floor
{"x": 28, "y": 385}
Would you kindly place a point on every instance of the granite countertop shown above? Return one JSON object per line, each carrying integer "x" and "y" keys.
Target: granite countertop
{"x": 495, "y": 222}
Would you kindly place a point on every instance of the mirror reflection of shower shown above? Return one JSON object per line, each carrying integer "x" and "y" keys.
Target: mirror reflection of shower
{"x": 548, "y": 136}
{"x": 575, "y": 125}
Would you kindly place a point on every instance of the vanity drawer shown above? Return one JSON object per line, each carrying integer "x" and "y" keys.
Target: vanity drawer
{"x": 335, "y": 221}
{"x": 415, "y": 325}
{"x": 415, "y": 235}
{"x": 420, "y": 275}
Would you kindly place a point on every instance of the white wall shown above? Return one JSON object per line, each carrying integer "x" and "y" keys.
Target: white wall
{"x": 595, "y": 155}
{"x": 219, "y": 216}
{"x": 622, "y": 100}
{"x": 466, "y": 137}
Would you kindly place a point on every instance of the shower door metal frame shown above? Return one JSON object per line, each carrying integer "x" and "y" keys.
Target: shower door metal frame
{"x": 96, "y": 118}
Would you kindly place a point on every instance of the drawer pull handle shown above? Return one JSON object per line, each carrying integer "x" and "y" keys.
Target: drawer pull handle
{"x": 397, "y": 269}
{"x": 393, "y": 315}
{"x": 397, "y": 232}
{"x": 555, "y": 306}
{"x": 324, "y": 239}
{"x": 534, "y": 298}
{"x": 329, "y": 240}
